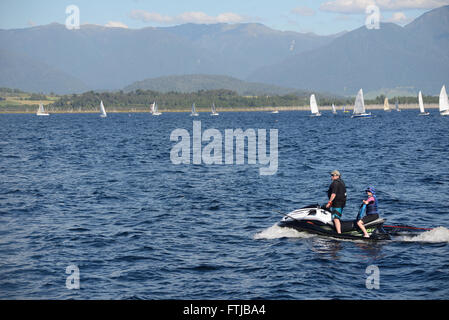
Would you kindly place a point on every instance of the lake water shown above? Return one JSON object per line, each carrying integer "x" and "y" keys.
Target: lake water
{"x": 103, "y": 197}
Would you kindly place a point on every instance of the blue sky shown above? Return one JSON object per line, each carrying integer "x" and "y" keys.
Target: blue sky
{"x": 321, "y": 17}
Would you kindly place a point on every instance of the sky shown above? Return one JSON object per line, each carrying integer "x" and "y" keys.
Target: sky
{"x": 321, "y": 17}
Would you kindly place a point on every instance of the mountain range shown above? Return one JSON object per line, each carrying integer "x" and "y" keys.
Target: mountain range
{"x": 414, "y": 57}
{"x": 97, "y": 57}
{"x": 51, "y": 58}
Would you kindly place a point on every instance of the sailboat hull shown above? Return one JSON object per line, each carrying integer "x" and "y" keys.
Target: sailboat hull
{"x": 362, "y": 115}
{"x": 445, "y": 113}
{"x": 424, "y": 114}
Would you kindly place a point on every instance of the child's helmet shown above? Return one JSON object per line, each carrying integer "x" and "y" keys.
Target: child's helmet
{"x": 370, "y": 189}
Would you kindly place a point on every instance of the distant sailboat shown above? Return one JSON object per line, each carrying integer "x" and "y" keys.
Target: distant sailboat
{"x": 359, "y": 107}
{"x": 334, "y": 111}
{"x": 421, "y": 105}
{"x": 155, "y": 109}
{"x": 314, "y": 107}
{"x": 194, "y": 113}
{"x": 397, "y": 105}
{"x": 213, "y": 110}
{"x": 386, "y": 105}
{"x": 102, "y": 110}
{"x": 41, "y": 111}
{"x": 444, "y": 102}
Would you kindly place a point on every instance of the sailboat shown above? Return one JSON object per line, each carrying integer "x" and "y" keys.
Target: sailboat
{"x": 359, "y": 107}
{"x": 102, "y": 110}
{"x": 155, "y": 110}
{"x": 386, "y": 105}
{"x": 334, "y": 111}
{"x": 397, "y": 105}
{"x": 213, "y": 110}
{"x": 194, "y": 113}
{"x": 444, "y": 102}
{"x": 41, "y": 111}
{"x": 314, "y": 107}
{"x": 421, "y": 105}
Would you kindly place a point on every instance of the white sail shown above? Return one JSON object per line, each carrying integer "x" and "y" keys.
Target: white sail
{"x": 386, "y": 105}
{"x": 359, "y": 107}
{"x": 41, "y": 111}
{"x": 334, "y": 111}
{"x": 194, "y": 113}
{"x": 314, "y": 106}
{"x": 397, "y": 105}
{"x": 444, "y": 102}
{"x": 421, "y": 103}
{"x": 155, "y": 109}
{"x": 214, "y": 110}
{"x": 102, "y": 110}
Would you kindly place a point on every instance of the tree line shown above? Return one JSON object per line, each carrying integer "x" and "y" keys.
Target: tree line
{"x": 141, "y": 99}
{"x": 226, "y": 99}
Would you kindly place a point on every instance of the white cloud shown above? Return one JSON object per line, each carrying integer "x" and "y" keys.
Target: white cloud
{"x": 303, "y": 11}
{"x": 116, "y": 24}
{"x": 399, "y": 17}
{"x": 186, "y": 17}
{"x": 359, "y": 6}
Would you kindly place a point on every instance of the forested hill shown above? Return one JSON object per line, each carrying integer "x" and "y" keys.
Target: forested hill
{"x": 196, "y": 82}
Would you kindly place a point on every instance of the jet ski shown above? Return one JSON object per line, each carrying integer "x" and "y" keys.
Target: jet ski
{"x": 316, "y": 219}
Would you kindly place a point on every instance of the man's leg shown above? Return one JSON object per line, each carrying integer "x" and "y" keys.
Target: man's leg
{"x": 336, "y": 215}
{"x": 337, "y": 225}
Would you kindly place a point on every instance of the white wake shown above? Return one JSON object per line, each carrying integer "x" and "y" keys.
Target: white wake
{"x": 440, "y": 234}
{"x": 276, "y": 232}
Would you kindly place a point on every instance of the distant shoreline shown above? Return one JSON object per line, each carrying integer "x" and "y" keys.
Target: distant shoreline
{"x": 205, "y": 110}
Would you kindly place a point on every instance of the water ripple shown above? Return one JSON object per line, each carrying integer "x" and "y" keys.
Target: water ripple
{"x": 103, "y": 195}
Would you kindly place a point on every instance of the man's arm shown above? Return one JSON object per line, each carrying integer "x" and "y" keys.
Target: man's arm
{"x": 333, "y": 195}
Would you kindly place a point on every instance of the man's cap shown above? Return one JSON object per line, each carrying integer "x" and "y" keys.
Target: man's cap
{"x": 336, "y": 173}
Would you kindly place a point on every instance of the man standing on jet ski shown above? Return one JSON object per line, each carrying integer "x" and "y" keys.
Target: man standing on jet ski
{"x": 337, "y": 198}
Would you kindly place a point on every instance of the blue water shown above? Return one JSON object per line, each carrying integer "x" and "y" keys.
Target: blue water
{"x": 103, "y": 195}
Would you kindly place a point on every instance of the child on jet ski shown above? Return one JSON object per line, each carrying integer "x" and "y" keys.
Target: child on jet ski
{"x": 369, "y": 206}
